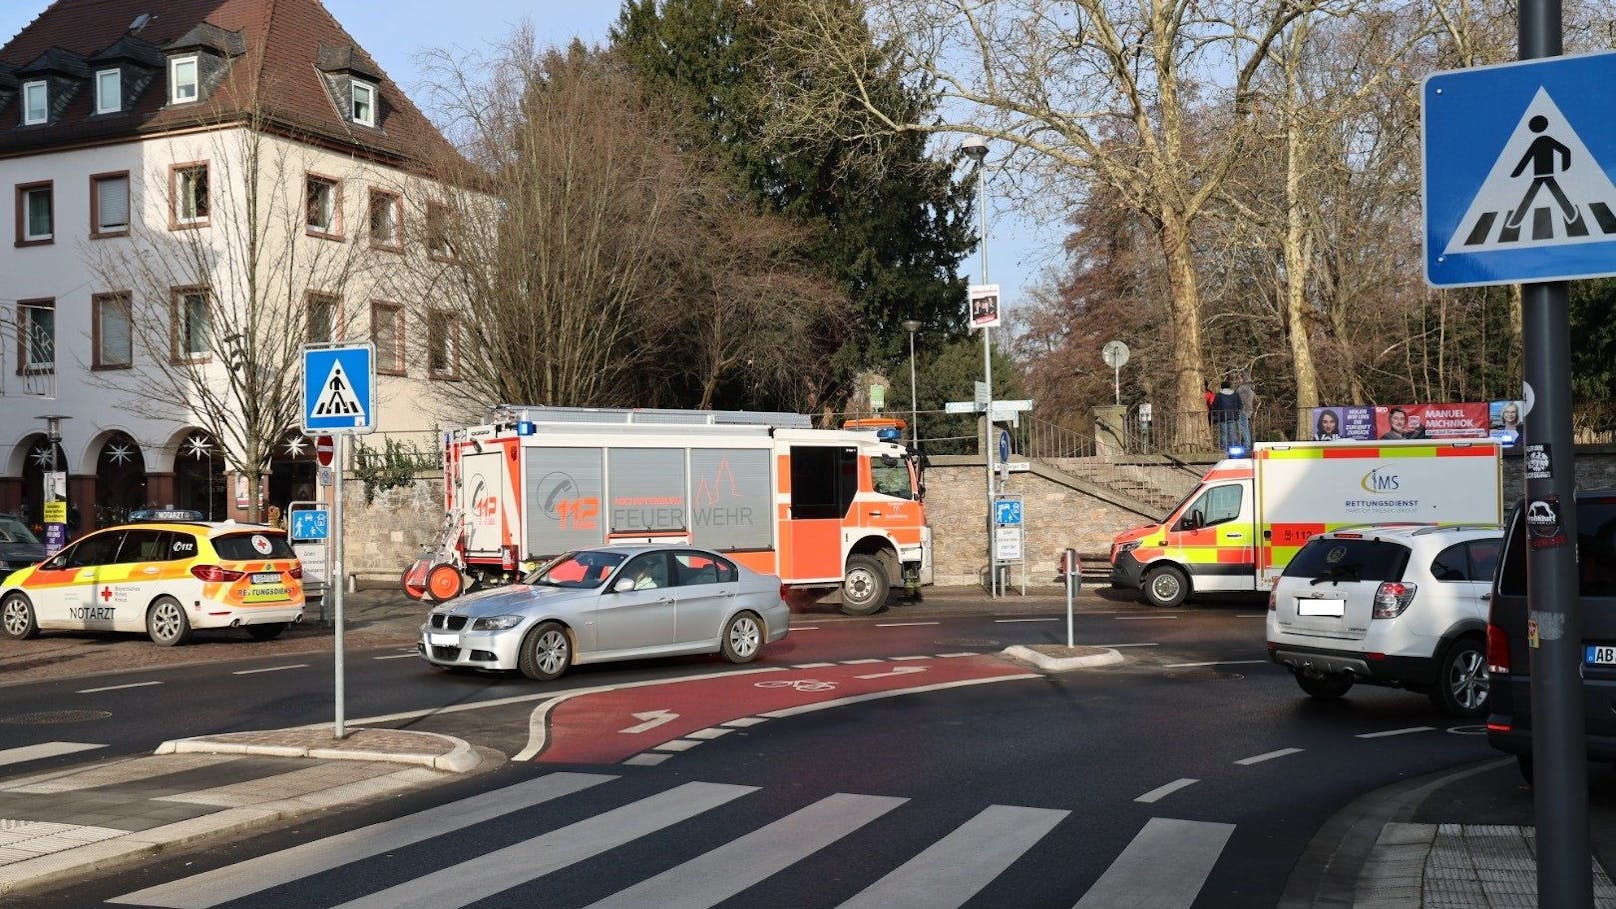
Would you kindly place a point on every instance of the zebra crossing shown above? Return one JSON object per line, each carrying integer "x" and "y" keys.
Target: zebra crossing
{"x": 943, "y": 871}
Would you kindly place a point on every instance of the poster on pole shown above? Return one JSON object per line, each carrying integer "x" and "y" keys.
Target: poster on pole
{"x": 984, "y": 306}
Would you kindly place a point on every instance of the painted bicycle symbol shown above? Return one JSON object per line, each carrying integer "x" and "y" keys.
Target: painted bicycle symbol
{"x": 798, "y": 684}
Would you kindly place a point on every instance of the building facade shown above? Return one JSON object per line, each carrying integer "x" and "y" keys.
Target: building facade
{"x": 200, "y": 187}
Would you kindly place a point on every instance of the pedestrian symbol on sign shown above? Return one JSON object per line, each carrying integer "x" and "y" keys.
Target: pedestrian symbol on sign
{"x": 337, "y": 396}
{"x": 1542, "y": 190}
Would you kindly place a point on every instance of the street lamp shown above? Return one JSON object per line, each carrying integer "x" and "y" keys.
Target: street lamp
{"x": 54, "y": 484}
{"x": 912, "y": 326}
{"x": 977, "y": 149}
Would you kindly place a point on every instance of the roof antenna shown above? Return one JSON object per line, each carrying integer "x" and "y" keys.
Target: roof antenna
{"x": 140, "y": 22}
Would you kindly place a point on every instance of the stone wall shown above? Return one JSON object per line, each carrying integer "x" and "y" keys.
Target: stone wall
{"x": 386, "y": 535}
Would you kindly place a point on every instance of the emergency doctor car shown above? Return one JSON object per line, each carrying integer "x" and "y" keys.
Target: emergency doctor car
{"x": 165, "y": 579}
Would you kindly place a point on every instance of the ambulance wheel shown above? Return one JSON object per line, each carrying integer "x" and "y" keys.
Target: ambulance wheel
{"x": 166, "y": 623}
{"x": 268, "y": 631}
{"x": 443, "y": 583}
{"x": 17, "y": 617}
{"x": 1166, "y": 587}
{"x": 546, "y": 652}
{"x": 865, "y": 586}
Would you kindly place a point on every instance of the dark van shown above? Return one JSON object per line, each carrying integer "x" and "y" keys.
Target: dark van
{"x": 1509, "y": 728}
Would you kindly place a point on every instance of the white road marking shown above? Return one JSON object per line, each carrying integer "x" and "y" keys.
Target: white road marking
{"x": 677, "y": 745}
{"x": 647, "y": 760}
{"x": 43, "y": 750}
{"x": 1017, "y": 621}
{"x": 232, "y": 882}
{"x": 745, "y": 721}
{"x": 715, "y": 876}
{"x": 1161, "y": 792}
{"x": 878, "y": 695}
{"x": 895, "y": 671}
{"x": 1391, "y": 732}
{"x": 652, "y": 719}
{"x": 1137, "y": 878}
{"x": 805, "y": 628}
{"x": 953, "y": 869}
{"x": 953, "y": 656}
{"x": 711, "y": 732}
{"x": 270, "y": 669}
{"x": 1258, "y": 759}
{"x": 396, "y": 656}
{"x": 1144, "y": 618}
{"x": 903, "y": 658}
{"x": 860, "y": 662}
{"x": 812, "y": 665}
{"x": 1213, "y": 663}
{"x": 903, "y": 624}
{"x": 117, "y": 687}
{"x": 500, "y": 870}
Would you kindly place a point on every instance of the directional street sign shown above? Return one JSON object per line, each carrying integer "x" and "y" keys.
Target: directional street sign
{"x": 338, "y": 382}
{"x": 1516, "y": 185}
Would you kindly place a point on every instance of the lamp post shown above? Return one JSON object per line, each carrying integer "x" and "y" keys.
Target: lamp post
{"x": 977, "y": 148}
{"x": 52, "y": 514}
{"x": 912, "y": 326}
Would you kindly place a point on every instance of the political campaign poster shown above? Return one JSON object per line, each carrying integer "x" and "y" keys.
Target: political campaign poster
{"x": 1431, "y": 421}
{"x": 984, "y": 305}
{"x": 1504, "y": 422}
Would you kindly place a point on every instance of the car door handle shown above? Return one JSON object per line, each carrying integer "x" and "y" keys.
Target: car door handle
{"x": 1234, "y": 536}
{"x": 727, "y": 593}
{"x": 875, "y": 514}
{"x": 664, "y": 600}
{"x": 1486, "y": 597}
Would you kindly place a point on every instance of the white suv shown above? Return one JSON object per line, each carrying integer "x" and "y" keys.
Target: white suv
{"x": 1402, "y": 606}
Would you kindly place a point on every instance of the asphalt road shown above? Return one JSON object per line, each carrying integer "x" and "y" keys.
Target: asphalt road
{"x": 1195, "y": 760}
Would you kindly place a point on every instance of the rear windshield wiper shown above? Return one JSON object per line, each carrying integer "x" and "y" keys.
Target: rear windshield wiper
{"x": 1339, "y": 573}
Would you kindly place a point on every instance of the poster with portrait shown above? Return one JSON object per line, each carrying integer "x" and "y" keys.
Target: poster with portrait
{"x": 1505, "y": 423}
{"x": 983, "y": 306}
{"x": 1431, "y": 421}
{"x": 1327, "y": 424}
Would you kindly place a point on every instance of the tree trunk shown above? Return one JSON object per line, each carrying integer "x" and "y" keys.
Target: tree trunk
{"x": 1298, "y": 265}
{"x": 1184, "y": 329}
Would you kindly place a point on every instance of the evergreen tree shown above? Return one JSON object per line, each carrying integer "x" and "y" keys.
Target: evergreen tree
{"x": 890, "y": 230}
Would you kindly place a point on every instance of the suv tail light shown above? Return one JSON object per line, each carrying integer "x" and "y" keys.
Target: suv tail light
{"x": 1391, "y": 598}
{"x": 1497, "y": 650}
{"x": 1273, "y": 600}
{"x": 215, "y": 574}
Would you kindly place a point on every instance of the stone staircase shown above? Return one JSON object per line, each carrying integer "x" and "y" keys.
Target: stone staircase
{"x": 1154, "y": 487}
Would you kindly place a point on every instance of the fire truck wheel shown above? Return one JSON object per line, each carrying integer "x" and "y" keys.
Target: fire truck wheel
{"x": 546, "y": 652}
{"x": 743, "y": 638}
{"x": 443, "y": 583}
{"x": 865, "y": 586}
{"x": 1166, "y": 587}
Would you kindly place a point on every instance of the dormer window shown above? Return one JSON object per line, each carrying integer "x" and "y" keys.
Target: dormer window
{"x": 108, "y": 91}
{"x": 183, "y": 80}
{"x": 35, "y": 103}
{"x": 364, "y": 103}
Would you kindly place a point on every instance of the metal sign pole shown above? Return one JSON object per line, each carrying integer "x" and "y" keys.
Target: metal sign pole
{"x": 1071, "y": 579}
{"x": 1560, "y": 765}
{"x": 335, "y": 581}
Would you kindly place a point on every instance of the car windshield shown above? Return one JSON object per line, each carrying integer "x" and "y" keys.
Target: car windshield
{"x": 1336, "y": 559}
{"x": 15, "y": 531}
{"x": 892, "y": 480}
{"x": 587, "y": 569}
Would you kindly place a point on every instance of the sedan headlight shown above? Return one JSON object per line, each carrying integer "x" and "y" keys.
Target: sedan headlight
{"x": 496, "y": 623}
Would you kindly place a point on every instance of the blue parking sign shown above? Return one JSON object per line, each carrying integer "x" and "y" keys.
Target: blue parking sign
{"x": 338, "y": 380}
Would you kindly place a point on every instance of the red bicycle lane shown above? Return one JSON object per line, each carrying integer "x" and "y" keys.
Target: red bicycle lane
{"x": 610, "y": 726}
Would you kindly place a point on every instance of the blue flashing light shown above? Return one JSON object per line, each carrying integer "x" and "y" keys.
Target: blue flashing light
{"x": 526, "y": 427}
{"x": 1238, "y": 451}
{"x": 890, "y": 434}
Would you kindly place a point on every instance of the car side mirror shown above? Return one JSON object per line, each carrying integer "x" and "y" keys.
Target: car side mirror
{"x": 623, "y": 585}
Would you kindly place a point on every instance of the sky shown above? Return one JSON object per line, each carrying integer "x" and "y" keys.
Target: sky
{"x": 396, "y": 31}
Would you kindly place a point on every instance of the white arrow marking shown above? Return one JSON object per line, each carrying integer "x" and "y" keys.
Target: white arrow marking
{"x": 896, "y": 670}
{"x": 652, "y": 718}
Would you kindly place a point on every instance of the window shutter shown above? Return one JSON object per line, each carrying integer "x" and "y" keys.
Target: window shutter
{"x": 112, "y": 202}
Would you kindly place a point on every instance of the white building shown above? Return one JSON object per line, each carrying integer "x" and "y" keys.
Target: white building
{"x": 200, "y": 187}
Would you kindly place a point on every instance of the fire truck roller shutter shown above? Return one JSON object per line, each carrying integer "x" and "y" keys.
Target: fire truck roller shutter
{"x": 562, "y": 489}
{"x": 731, "y": 499}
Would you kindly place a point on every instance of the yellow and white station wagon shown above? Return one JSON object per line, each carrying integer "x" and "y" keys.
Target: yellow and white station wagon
{"x": 162, "y": 578}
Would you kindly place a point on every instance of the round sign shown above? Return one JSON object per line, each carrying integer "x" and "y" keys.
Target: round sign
{"x": 323, "y": 449}
{"x": 1115, "y": 354}
{"x": 262, "y": 544}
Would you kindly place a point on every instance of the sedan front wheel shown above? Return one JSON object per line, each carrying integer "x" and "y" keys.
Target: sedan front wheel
{"x": 546, "y": 652}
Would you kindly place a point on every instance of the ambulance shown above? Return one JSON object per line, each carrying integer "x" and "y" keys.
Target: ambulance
{"x": 819, "y": 508}
{"x": 1239, "y": 528}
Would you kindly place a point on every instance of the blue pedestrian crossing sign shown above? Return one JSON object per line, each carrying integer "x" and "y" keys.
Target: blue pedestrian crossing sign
{"x": 338, "y": 381}
{"x": 1517, "y": 162}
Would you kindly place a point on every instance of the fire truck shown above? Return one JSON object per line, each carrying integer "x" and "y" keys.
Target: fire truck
{"x": 820, "y": 508}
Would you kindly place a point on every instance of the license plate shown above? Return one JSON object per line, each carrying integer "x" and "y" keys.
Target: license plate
{"x": 443, "y": 640}
{"x": 1321, "y": 607}
{"x": 266, "y": 577}
{"x": 1599, "y": 655}
{"x": 266, "y": 594}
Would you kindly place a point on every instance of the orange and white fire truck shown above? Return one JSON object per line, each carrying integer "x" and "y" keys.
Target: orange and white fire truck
{"x": 819, "y": 508}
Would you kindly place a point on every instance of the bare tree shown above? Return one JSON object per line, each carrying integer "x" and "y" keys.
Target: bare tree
{"x": 1054, "y": 79}
{"x": 216, "y": 277}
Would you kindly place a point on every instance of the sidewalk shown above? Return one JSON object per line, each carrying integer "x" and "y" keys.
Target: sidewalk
{"x": 69, "y": 822}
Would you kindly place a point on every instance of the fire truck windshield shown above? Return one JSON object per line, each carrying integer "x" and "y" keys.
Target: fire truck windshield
{"x": 892, "y": 480}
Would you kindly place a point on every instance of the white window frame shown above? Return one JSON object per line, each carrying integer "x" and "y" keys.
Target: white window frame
{"x": 48, "y": 190}
{"x": 29, "y": 116}
{"x": 357, "y": 86}
{"x": 28, "y": 317}
{"x": 186, "y": 329}
{"x": 184, "y": 192}
{"x": 174, "y": 83}
{"x": 103, "y": 94}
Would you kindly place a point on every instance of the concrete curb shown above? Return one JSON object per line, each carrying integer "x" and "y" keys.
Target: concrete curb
{"x": 459, "y": 758}
{"x": 1095, "y": 656}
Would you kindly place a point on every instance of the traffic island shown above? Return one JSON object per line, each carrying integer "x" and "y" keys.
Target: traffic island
{"x": 1060, "y": 658}
{"x": 399, "y": 746}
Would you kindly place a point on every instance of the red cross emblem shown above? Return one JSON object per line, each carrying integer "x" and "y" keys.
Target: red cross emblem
{"x": 106, "y": 594}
